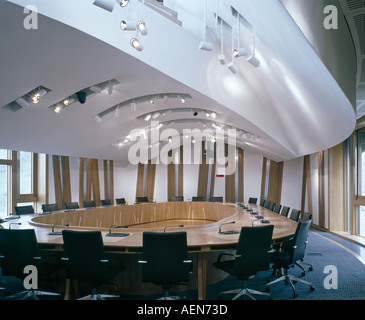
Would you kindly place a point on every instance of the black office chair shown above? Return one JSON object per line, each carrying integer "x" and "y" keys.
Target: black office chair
{"x": 262, "y": 203}
{"x": 165, "y": 260}
{"x": 306, "y": 216}
{"x": 295, "y": 215}
{"x": 120, "y": 201}
{"x": 267, "y": 204}
{"x": 198, "y": 199}
{"x": 252, "y": 200}
{"x": 277, "y": 208}
{"x": 216, "y": 199}
{"x": 271, "y": 206}
{"x": 106, "y": 202}
{"x": 19, "y": 249}
{"x": 252, "y": 255}
{"x": 177, "y": 198}
{"x": 141, "y": 199}
{"x": 89, "y": 204}
{"x": 285, "y": 211}
{"x": 24, "y": 209}
{"x": 72, "y": 205}
{"x": 292, "y": 251}
{"x": 85, "y": 260}
{"x": 50, "y": 207}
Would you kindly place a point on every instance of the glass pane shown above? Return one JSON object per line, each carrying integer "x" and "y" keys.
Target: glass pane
{"x": 3, "y": 190}
{"x": 26, "y": 169}
{"x": 3, "y": 154}
{"x": 362, "y": 221}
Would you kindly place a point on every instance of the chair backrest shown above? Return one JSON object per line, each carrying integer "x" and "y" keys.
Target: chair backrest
{"x": 277, "y": 208}
{"x": 216, "y": 199}
{"x": 71, "y": 205}
{"x": 306, "y": 216}
{"x": 89, "y": 204}
{"x": 198, "y": 199}
{"x": 267, "y": 204}
{"x": 298, "y": 245}
{"x": 285, "y": 211}
{"x": 253, "y": 248}
{"x": 252, "y": 200}
{"x": 120, "y": 201}
{"x": 24, "y": 209}
{"x": 164, "y": 253}
{"x": 85, "y": 252}
{"x": 141, "y": 199}
{"x": 262, "y": 203}
{"x": 106, "y": 202}
{"x": 50, "y": 207}
{"x": 18, "y": 247}
{"x": 295, "y": 214}
{"x": 177, "y": 198}
{"x": 271, "y": 205}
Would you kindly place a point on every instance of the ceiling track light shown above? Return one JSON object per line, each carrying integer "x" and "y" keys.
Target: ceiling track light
{"x": 68, "y": 101}
{"x": 95, "y": 89}
{"x": 109, "y": 88}
{"x": 37, "y": 95}
{"x": 204, "y": 45}
{"x": 222, "y": 57}
{"x": 58, "y": 108}
{"x": 124, "y": 25}
{"x": 252, "y": 59}
{"x": 22, "y": 102}
{"x": 231, "y": 66}
{"x": 122, "y": 3}
{"x": 239, "y": 52}
{"x": 136, "y": 44}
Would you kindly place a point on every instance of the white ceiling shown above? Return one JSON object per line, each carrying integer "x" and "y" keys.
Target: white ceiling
{"x": 290, "y": 106}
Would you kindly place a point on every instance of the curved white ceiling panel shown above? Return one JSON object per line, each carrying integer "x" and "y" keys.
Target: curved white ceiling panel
{"x": 290, "y": 101}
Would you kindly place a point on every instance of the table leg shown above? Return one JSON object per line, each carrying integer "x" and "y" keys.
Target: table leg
{"x": 202, "y": 276}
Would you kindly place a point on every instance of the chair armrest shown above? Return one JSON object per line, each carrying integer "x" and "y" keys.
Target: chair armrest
{"x": 226, "y": 254}
{"x": 142, "y": 261}
{"x": 187, "y": 261}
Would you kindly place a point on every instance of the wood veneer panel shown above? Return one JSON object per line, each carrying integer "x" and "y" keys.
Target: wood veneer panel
{"x": 66, "y": 180}
{"x": 95, "y": 182}
{"x": 81, "y": 180}
{"x": 111, "y": 180}
{"x": 150, "y": 181}
{"x": 275, "y": 181}
{"x": 57, "y": 180}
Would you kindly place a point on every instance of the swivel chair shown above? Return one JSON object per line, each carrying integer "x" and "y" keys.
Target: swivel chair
{"x": 270, "y": 205}
{"x": 141, "y": 199}
{"x": 106, "y": 202}
{"x": 262, "y": 203}
{"x": 277, "y": 208}
{"x": 165, "y": 260}
{"x": 252, "y": 255}
{"x": 306, "y": 217}
{"x": 72, "y": 205}
{"x": 18, "y": 249}
{"x": 85, "y": 260}
{"x": 177, "y": 198}
{"x": 216, "y": 199}
{"x": 120, "y": 201}
{"x": 252, "y": 200}
{"x": 285, "y": 211}
{"x": 267, "y": 204}
{"x": 50, "y": 207}
{"x": 198, "y": 199}
{"x": 292, "y": 251}
{"x": 24, "y": 210}
{"x": 89, "y": 204}
{"x": 295, "y": 215}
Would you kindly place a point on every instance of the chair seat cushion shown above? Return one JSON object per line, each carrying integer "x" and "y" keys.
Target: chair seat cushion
{"x": 280, "y": 259}
{"x": 228, "y": 266}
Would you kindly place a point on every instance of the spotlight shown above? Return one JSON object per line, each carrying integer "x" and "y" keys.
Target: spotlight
{"x": 239, "y": 52}
{"x": 207, "y": 46}
{"x": 148, "y": 117}
{"x": 97, "y": 118}
{"x": 81, "y": 96}
{"x": 133, "y": 107}
{"x": 155, "y": 115}
{"x": 127, "y": 26}
{"x": 254, "y": 61}
{"x": 207, "y": 114}
{"x": 136, "y": 45}
{"x": 123, "y": 3}
{"x": 213, "y": 115}
{"x": 109, "y": 88}
{"x": 58, "y": 108}
{"x": 170, "y": 139}
{"x": 232, "y": 67}
{"x": 141, "y": 26}
{"x": 222, "y": 59}
{"x": 36, "y": 97}
{"x": 68, "y": 101}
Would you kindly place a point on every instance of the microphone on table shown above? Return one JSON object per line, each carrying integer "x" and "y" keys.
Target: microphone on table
{"x": 179, "y": 226}
{"x": 57, "y": 233}
{"x": 18, "y": 223}
{"x": 117, "y": 234}
{"x": 226, "y": 232}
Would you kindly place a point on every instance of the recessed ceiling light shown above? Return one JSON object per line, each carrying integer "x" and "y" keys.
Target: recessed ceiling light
{"x": 58, "y": 108}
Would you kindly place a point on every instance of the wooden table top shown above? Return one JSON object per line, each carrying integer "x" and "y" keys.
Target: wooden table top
{"x": 201, "y": 221}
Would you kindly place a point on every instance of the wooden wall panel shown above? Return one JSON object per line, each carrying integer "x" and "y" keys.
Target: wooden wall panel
{"x": 81, "y": 180}
{"x": 229, "y": 180}
{"x": 150, "y": 181}
{"x": 111, "y": 180}
{"x": 106, "y": 179}
{"x": 170, "y": 179}
{"x": 321, "y": 200}
{"x": 66, "y": 179}
{"x": 263, "y": 178}
{"x": 240, "y": 175}
{"x": 95, "y": 182}
{"x": 181, "y": 173}
{"x": 57, "y": 180}
{"x": 275, "y": 181}
{"x": 89, "y": 175}
{"x": 139, "y": 179}
{"x": 203, "y": 175}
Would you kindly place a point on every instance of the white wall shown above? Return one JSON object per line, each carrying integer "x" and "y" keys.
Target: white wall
{"x": 291, "y": 193}
{"x": 252, "y": 175}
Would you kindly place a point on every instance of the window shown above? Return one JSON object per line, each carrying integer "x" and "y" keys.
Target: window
{"x": 26, "y": 172}
{"x": 3, "y": 154}
{"x": 4, "y": 189}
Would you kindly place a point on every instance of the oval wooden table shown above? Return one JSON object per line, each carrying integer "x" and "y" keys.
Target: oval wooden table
{"x": 201, "y": 220}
